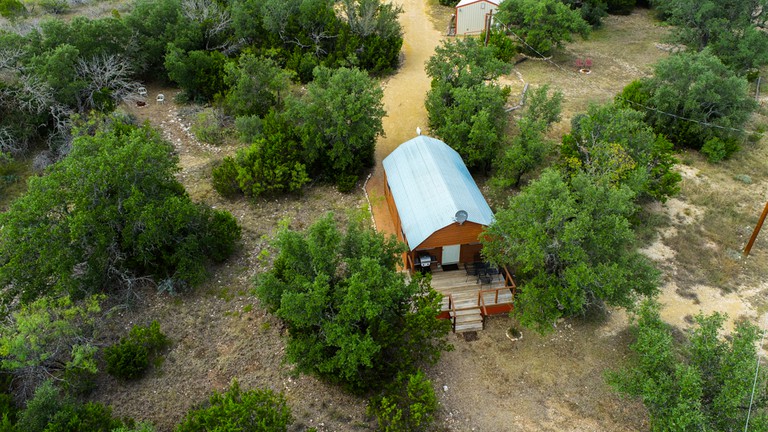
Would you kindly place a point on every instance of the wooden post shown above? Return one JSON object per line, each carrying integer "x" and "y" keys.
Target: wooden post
{"x": 757, "y": 91}
{"x": 756, "y": 231}
{"x": 488, "y": 20}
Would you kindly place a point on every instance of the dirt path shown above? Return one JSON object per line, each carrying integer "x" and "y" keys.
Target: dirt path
{"x": 404, "y": 95}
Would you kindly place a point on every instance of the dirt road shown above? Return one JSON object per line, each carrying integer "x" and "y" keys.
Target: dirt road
{"x": 404, "y": 95}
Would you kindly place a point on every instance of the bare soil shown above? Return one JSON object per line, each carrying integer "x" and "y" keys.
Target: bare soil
{"x": 540, "y": 383}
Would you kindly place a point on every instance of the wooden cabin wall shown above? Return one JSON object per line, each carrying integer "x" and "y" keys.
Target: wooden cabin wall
{"x": 393, "y": 211}
{"x": 453, "y": 234}
{"x": 470, "y": 252}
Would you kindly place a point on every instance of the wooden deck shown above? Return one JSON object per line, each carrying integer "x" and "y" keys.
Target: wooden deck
{"x": 467, "y": 302}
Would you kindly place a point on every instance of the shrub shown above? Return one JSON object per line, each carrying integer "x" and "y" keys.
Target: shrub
{"x": 716, "y": 149}
{"x": 346, "y": 182}
{"x": 248, "y": 128}
{"x": 51, "y": 411}
{"x": 245, "y": 411}
{"x": 505, "y": 47}
{"x": 621, "y": 7}
{"x": 11, "y": 8}
{"x": 54, "y": 6}
{"x": 208, "y": 126}
{"x": 225, "y": 177}
{"x": 129, "y": 358}
{"x": 407, "y": 404}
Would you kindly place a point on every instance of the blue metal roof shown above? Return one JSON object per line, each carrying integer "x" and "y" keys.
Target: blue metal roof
{"x": 430, "y": 183}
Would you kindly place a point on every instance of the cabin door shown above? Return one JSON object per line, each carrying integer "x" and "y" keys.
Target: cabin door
{"x": 451, "y": 254}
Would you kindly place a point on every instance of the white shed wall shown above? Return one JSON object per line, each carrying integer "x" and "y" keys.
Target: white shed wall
{"x": 470, "y": 19}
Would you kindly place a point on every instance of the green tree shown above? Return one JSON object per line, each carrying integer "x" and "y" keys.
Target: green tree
{"x": 703, "y": 382}
{"x": 592, "y": 11}
{"x": 529, "y": 147}
{"x": 733, "y": 30}
{"x": 614, "y": 143}
{"x": 407, "y": 404}
{"x": 693, "y": 98}
{"x": 338, "y": 122}
{"x": 238, "y": 410}
{"x": 109, "y": 214}
{"x": 621, "y": 7}
{"x": 51, "y": 411}
{"x": 255, "y": 85}
{"x": 471, "y": 120}
{"x": 541, "y": 25}
{"x": 200, "y": 74}
{"x": 464, "y": 110}
{"x": 50, "y": 339}
{"x": 155, "y": 24}
{"x": 571, "y": 245}
{"x": 380, "y": 34}
{"x": 12, "y": 9}
{"x": 91, "y": 37}
{"x": 352, "y": 317}
{"x": 464, "y": 63}
{"x": 271, "y": 165}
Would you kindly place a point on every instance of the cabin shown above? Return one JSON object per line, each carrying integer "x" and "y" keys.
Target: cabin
{"x": 436, "y": 207}
{"x": 474, "y": 16}
{"x": 440, "y": 213}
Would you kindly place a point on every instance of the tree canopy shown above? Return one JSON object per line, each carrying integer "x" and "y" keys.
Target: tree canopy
{"x": 339, "y": 120}
{"x": 570, "y": 243}
{"x": 241, "y": 410}
{"x": 109, "y": 214}
{"x": 50, "y": 339}
{"x": 693, "y": 98}
{"x": 529, "y": 147}
{"x": 352, "y": 317}
{"x": 614, "y": 144}
{"x": 733, "y": 30}
{"x": 465, "y": 109}
{"x": 702, "y": 382}
{"x": 541, "y": 25}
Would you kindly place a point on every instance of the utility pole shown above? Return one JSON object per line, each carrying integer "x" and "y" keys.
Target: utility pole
{"x": 756, "y": 231}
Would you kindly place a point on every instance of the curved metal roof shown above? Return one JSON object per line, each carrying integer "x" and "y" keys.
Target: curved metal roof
{"x": 463, "y": 3}
{"x": 430, "y": 183}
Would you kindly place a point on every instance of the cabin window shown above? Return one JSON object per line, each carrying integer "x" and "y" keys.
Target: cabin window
{"x": 482, "y": 5}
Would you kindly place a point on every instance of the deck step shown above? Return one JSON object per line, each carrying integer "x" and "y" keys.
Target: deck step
{"x": 469, "y": 326}
{"x": 468, "y": 320}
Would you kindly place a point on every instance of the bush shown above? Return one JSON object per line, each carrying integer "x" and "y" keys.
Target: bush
{"x": 245, "y": 411}
{"x": 346, "y": 182}
{"x": 248, "y": 128}
{"x": 621, "y": 7}
{"x": 54, "y": 6}
{"x": 225, "y": 178}
{"x": 11, "y": 8}
{"x": 716, "y": 149}
{"x": 51, "y": 411}
{"x": 505, "y": 47}
{"x": 407, "y": 404}
{"x": 208, "y": 126}
{"x": 130, "y": 358}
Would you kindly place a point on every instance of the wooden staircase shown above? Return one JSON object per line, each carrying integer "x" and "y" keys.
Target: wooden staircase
{"x": 467, "y": 318}
{"x": 467, "y": 302}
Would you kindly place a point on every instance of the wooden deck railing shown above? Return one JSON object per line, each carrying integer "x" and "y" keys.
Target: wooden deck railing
{"x": 481, "y": 299}
{"x": 509, "y": 281}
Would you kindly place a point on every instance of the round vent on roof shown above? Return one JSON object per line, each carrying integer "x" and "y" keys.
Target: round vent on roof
{"x": 461, "y": 216}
